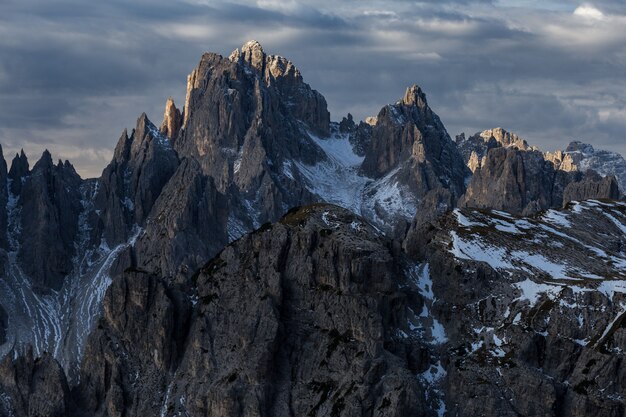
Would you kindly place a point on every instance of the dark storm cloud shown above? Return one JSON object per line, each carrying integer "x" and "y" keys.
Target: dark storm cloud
{"x": 74, "y": 74}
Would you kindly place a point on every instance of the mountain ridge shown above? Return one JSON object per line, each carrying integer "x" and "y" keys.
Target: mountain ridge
{"x": 251, "y": 176}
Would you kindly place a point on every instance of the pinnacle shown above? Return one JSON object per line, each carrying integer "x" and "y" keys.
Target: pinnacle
{"x": 414, "y": 96}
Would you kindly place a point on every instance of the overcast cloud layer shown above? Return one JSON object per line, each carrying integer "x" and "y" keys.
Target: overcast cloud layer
{"x": 74, "y": 74}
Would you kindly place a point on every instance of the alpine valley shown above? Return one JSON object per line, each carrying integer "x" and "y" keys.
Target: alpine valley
{"x": 249, "y": 257}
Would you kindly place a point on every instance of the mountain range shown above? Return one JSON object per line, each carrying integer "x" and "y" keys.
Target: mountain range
{"x": 250, "y": 257}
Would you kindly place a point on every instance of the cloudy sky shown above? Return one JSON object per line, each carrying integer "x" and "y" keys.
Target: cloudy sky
{"x": 74, "y": 74}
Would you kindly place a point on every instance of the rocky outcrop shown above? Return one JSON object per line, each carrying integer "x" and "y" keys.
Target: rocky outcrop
{"x": 3, "y": 325}
{"x": 532, "y": 324}
{"x": 172, "y": 120}
{"x": 4, "y": 199}
{"x": 19, "y": 170}
{"x": 297, "y": 318}
{"x": 359, "y": 135}
{"x": 32, "y": 387}
{"x": 523, "y": 182}
{"x": 322, "y": 313}
{"x": 474, "y": 148}
{"x": 584, "y": 157}
{"x": 592, "y": 186}
{"x": 240, "y": 127}
{"x": 141, "y": 166}
{"x": 303, "y": 103}
{"x": 561, "y": 160}
{"x": 49, "y": 205}
{"x": 410, "y": 144}
{"x": 188, "y": 225}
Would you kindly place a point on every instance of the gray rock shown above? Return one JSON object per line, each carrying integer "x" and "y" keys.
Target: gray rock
{"x": 474, "y": 148}
{"x": 410, "y": 144}
{"x": 172, "y": 120}
{"x": 33, "y": 387}
{"x": 3, "y": 325}
{"x": 141, "y": 166}
{"x": 592, "y": 186}
{"x": 49, "y": 204}
{"x": 19, "y": 170}
{"x": 584, "y": 157}
{"x": 297, "y": 318}
{"x": 187, "y": 225}
{"x": 521, "y": 341}
{"x": 303, "y": 103}
{"x": 4, "y": 198}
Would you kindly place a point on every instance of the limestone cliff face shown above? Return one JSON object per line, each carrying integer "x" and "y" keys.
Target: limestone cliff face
{"x": 410, "y": 144}
{"x": 592, "y": 186}
{"x": 514, "y": 177}
{"x": 513, "y": 325}
{"x": 142, "y": 164}
{"x": 187, "y": 224}
{"x": 561, "y": 160}
{"x": 19, "y": 169}
{"x": 48, "y": 207}
{"x": 172, "y": 120}
{"x": 515, "y": 181}
{"x": 4, "y": 199}
{"x": 474, "y": 148}
{"x": 303, "y": 103}
{"x": 583, "y": 157}
{"x": 36, "y": 387}
{"x": 297, "y": 318}
{"x": 244, "y": 120}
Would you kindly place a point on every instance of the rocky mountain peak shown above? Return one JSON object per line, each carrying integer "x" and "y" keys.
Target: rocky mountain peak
{"x": 172, "y": 120}
{"x": 252, "y": 54}
{"x": 474, "y": 148}
{"x": 45, "y": 162}
{"x": 577, "y": 146}
{"x": 306, "y": 104}
{"x": 414, "y": 96}
{"x": 19, "y": 166}
{"x": 19, "y": 169}
{"x": 504, "y": 138}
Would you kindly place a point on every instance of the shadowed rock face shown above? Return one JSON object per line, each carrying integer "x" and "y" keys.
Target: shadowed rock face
{"x": 297, "y": 318}
{"x": 19, "y": 169}
{"x": 3, "y": 325}
{"x": 540, "y": 319}
{"x": 583, "y": 157}
{"x": 409, "y": 130}
{"x": 4, "y": 198}
{"x": 523, "y": 182}
{"x": 187, "y": 224}
{"x": 410, "y": 145}
{"x": 36, "y": 387}
{"x": 141, "y": 166}
{"x": 303, "y": 103}
{"x": 49, "y": 204}
{"x": 513, "y": 176}
{"x": 592, "y": 186}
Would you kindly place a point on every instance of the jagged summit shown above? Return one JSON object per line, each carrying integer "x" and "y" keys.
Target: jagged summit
{"x": 172, "y": 120}
{"x": 578, "y": 146}
{"x": 253, "y": 149}
{"x": 19, "y": 165}
{"x": 251, "y": 53}
{"x": 474, "y": 148}
{"x": 414, "y": 96}
{"x": 45, "y": 160}
{"x": 583, "y": 156}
